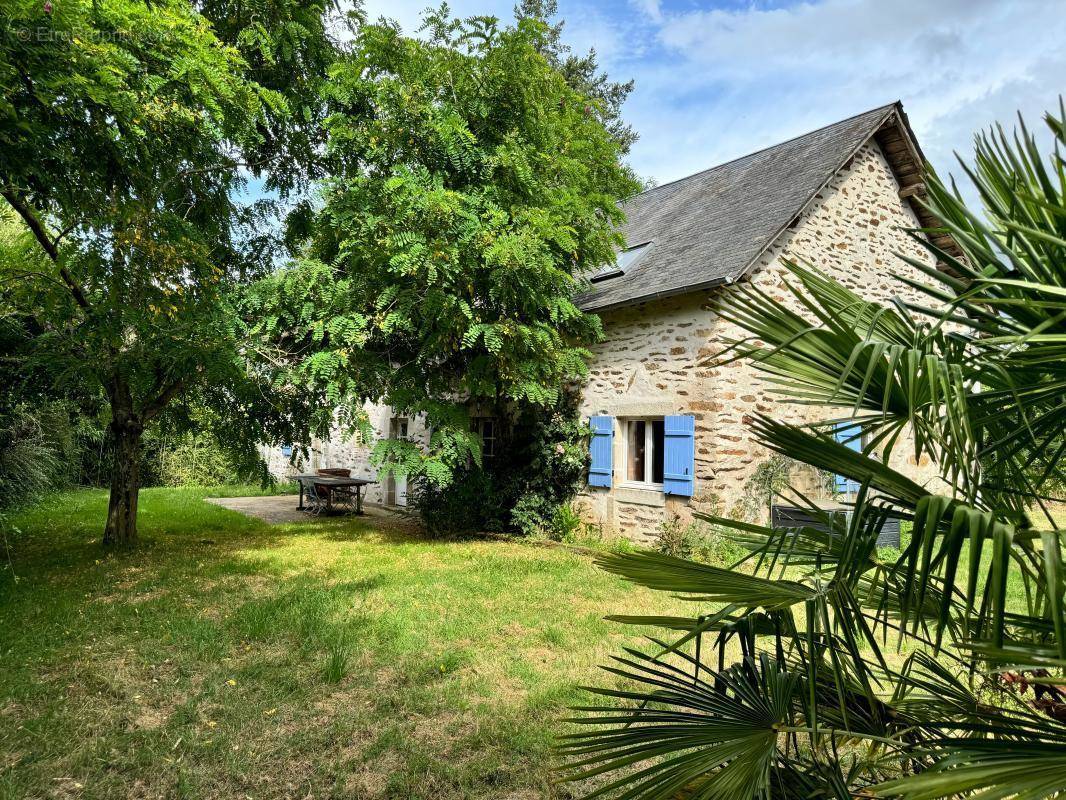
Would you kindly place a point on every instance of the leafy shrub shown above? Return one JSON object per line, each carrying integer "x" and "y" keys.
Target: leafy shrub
{"x": 198, "y": 460}
{"x": 698, "y": 541}
{"x": 566, "y": 524}
{"x": 675, "y": 539}
{"x": 770, "y": 478}
{"x": 540, "y": 463}
{"x": 28, "y": 460}
{"x": 39, "y": 451}
{"x": 461, "y": 507}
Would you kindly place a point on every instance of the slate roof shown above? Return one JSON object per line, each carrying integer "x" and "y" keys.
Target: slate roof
{"x": 710, "y": 228}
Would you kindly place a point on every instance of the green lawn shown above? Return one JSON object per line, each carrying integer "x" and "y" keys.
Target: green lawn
{"x": 345, "y": 658}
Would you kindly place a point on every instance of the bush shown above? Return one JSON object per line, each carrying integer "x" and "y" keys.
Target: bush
{"x": 540, "y": 464}
{"x": 543, "y": 466}
{"x": 566, "y": 524}
{"x": 463, "y": 506}
{"x": 675, "y": 539}
{"x": 58, "y": 443}
{"x": 28, "y": 460}
{"x": 198, "y": 460}
{"x": 167, "y": 459}
{"x": 39, "y": 452}
{"x": 698, "y": 541}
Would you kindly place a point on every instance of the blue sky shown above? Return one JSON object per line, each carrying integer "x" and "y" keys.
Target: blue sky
{"x": 715, "y": 80}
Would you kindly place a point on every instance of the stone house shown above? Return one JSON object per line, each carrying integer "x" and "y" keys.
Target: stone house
{"x": 670, "y": 433}
{"x": 671, "y": 426}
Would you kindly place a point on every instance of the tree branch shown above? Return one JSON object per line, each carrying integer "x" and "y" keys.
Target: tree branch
{"x": 155, "y": 407}
{"x": 38, "y": 230}
{"x": 229, "y": 165}
{"x": 12, "y": 276}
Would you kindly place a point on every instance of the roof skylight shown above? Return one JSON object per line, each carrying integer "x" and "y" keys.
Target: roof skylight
{"x": 624, "y": 261}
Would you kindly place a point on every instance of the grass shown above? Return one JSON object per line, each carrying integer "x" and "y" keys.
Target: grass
{"x": 245, "y": 490}
{"x": 345, "y": 658}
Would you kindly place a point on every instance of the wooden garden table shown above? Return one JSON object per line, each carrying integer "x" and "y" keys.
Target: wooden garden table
{"x": 335, "y": 482}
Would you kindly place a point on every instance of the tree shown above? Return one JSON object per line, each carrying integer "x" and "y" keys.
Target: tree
{"x": 126, "y": 132}
{"x": 582, "y": 72}
{"x": 287, "y": 46}
{"x": 809, "y": 702}
{"x": 473, "y": 188}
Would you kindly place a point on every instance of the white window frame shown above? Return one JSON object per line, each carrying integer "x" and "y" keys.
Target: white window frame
{"x": 488, "y": 443}
{"x": 396, "y": 424}
{"x": 649, "y": 461}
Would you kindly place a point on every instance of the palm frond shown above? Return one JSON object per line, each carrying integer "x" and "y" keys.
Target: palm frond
{"x": 973, "y": 377}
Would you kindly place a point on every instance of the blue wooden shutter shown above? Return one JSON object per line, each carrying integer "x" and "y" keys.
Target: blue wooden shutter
{"x": 849, "y": 435}
{"x": 601, "y": 447}
{"x": 679, "y": 455}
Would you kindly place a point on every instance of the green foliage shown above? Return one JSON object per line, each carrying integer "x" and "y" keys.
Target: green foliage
{"x": 582, "y": 72}
{"x": 698, "y": 540}
{"x": 466, "y": 505}
{"x": 677, "y": 539}
{"x": 127, "y": 131}
{"x": 566, "y": 524}
{"x": 473, "y": 189}
{"x": 796, "y": 694}
{"x": 198, "y": 460}
{"x": 540, "y": 463}
{"x": 770, "y": 478}
{"x": 56, "y": 446}
{"x": 288, "y": 47}
{"x": 31, "y": 456}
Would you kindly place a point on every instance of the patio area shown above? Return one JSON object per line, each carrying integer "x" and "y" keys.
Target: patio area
{"x": 282, "y": 509}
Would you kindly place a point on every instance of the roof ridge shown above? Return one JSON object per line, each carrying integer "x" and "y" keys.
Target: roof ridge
{"x": 885, "y": 107}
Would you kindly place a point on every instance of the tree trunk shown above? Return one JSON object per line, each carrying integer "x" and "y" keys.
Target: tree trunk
{"x": 121, "y": 528}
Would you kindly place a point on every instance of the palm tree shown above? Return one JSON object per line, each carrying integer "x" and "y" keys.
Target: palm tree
{"x": 785, "y": 684}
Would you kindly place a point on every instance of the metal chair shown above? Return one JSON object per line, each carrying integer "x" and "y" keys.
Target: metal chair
{"x": 343, "y": 496}
{"x": 338, "y": 495}
{"x": 313, "y": 501}
{"x": 327, "y": 493}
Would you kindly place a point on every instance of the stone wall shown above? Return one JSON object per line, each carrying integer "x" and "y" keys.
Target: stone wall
{"x": 349, "y": 452}
{"x": 658, "y": 357}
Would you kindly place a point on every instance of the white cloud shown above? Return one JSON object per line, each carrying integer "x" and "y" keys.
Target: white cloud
{"x": 651, "y": 8}
{"x": 730, "y": 81}
{"x": 714, "y": 83}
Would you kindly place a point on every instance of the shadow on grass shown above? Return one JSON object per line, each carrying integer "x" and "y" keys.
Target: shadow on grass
{"x": 227, "y": 656}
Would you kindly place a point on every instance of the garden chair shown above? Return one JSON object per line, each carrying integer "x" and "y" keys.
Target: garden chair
{"x": 314, "y": 503}
{"x": 340, "y": 495}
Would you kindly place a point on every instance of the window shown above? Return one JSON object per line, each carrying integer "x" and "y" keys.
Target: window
{"x": 485, "y": 427}
{"x": 625, "y": 259}
{"x": 643, "y": 451}
{"x": 854, "y": 437}
{"x": 398, "y": 428}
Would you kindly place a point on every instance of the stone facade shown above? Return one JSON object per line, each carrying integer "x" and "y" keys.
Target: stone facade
{"x": 658, "y": 357}
{"x": 349, "y": 452}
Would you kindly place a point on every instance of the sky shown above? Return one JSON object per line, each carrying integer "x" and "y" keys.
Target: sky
{"x": 718, "y": 79}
